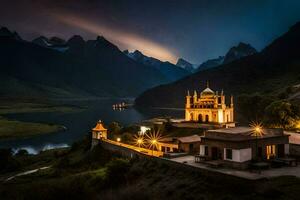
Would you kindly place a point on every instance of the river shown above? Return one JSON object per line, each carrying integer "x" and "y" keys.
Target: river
{"x": 79, "y": 124}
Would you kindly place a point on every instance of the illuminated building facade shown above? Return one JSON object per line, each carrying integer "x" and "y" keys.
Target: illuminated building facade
{"x": 99, "y": 132}
{"x": 209, "y": 107}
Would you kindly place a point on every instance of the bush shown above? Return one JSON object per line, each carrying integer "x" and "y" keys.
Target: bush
{"x": 116, "y": 171}
{"x": 114, "y": 128}
{"x": 282, "y": 114}
{"x": 252, "y": 106}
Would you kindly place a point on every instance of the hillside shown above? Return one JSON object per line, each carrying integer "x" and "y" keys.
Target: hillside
{"x": 269, "y": 72}
{"x": 75, "y": 68}
{"x": 80, "y": 173}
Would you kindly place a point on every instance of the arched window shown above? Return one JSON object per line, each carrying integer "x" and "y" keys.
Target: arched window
{"x": 200, "y": 118}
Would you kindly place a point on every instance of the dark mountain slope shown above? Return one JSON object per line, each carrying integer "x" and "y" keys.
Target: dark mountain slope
{"x": 270, "y": 71}
{"x": 234, "y": 53}
{"x": 96, "y": 67}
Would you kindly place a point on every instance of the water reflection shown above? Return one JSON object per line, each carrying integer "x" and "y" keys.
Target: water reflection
{"x": 35, "y": 150}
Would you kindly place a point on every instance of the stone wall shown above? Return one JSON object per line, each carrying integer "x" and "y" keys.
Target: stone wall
{"x": 129, "y": 153}
{"x": 294, "y": 150}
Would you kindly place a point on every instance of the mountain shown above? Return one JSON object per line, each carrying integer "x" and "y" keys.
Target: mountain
{"x": 84, "y": 68}
{"x": 239, "y": 51}
{"x": 169, "y": 70}
{"x": 268, "y": 72}
{"x": 211, "y": 63}
{"x": 6, "y": 33}
{"x": 185, "y": 65}
{"x": 234, "y": 53}
{"x": 54, "y": 43}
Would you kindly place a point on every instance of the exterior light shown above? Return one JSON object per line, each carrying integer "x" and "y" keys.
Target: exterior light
{"x": 138, "y": 140}
{"x": 153, "y": 139}
{"x": 118, "y": 139}
{"x": 257, "y": 130}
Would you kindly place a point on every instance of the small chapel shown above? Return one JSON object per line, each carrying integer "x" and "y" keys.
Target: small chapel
{"x": 209, "y": 107}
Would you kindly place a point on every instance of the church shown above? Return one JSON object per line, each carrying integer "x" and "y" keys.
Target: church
{"x": 209, "y": 107}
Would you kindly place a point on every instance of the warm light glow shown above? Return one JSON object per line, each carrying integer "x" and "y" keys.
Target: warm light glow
{"x": 144, "y": 129}
{"x": 298, "y": 124}
{"x": 153, "y": 138}
{"x": 138, "y": 140}
{"x": 220, "y": 116}
{"x": 257, "y": 128}
{"x": 121, "y": 38}
{"x": 118, "y": 139}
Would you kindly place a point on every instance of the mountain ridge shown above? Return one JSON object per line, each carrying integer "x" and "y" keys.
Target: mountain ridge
{"x": 267, "y": 72}
{"x": 234, "y": 53}
{"x": 169, "y": 70}
{"x": 98, "y": 69}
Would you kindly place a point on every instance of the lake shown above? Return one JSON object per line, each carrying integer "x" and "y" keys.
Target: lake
{"x": 80, "y": 123}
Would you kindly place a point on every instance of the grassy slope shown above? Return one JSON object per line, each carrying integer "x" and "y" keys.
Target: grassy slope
{"x": 10, "y": 129}
{"x": 22, "y": 106}
{"x": 17, "y": 129}
{"x": 80, "y": 174}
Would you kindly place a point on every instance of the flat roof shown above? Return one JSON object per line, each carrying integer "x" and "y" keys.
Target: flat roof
{"x": 241, "y": 133}
{"x": 233, "y": 130}
{"x": 294, "y": 137}
{"x": 189, "y": 139}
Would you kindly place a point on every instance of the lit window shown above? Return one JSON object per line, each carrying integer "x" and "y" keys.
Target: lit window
{"x": 270, "y": 151}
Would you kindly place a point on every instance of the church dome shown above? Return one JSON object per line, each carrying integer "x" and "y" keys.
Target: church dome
{"x": 207, "y": 92}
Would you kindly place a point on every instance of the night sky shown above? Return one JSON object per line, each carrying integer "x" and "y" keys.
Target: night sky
{"x": 167, "y": 29}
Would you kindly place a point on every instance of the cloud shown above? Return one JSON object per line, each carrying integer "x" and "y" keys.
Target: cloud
{"x": 123, "y": 39}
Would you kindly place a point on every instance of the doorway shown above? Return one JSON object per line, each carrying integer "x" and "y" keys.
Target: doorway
{"x": 280, "y": 149}
{"x": 214, "y": 153}
{"x": 206, "y": 118}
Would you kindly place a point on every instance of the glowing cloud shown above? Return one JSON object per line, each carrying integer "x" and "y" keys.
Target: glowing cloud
{"x": 120, "y": 38}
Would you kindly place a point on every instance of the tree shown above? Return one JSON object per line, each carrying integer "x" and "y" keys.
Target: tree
{"x": 282, "y": 114}
{"x": 114, "y": 128}
{"x": 252, "y": 106}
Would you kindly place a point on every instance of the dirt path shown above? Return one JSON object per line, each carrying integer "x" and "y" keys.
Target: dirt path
{"x": 26, "y": 173}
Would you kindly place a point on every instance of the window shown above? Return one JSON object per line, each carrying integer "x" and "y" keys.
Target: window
{"x": 229, "y": 154}
{"x": 270, "y": 151}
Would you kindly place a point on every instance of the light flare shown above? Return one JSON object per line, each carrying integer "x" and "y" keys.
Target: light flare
{"x": 257, "y": 129}
{"x": 121, "y": 38}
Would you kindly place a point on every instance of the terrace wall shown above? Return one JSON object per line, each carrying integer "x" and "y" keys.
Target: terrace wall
{"x": 130, "y": 153}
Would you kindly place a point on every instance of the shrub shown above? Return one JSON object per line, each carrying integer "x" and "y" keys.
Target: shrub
{"x": 116, "y": 171}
